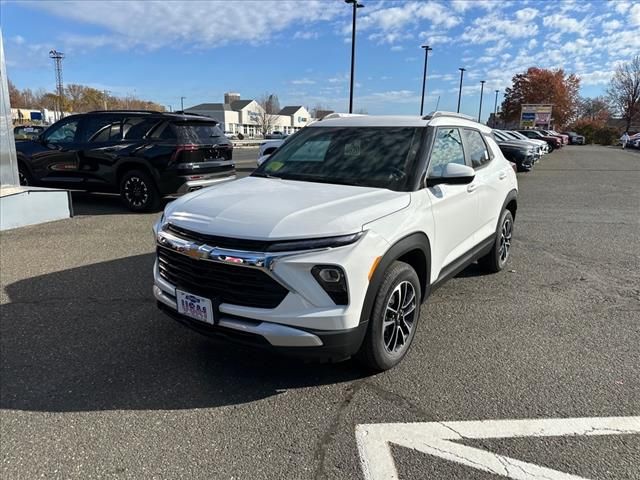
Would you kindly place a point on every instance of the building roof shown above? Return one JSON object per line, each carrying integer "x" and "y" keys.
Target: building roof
{"x": 240, "y": 104}
{"x": 289, "y": 110}
{"x": 210, "y": 106}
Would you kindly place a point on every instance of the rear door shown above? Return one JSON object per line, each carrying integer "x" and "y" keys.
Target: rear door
{"x": 489, "y": 174}
{"x": 57, "y": 163}
{"x": 100, "y": 135}
{"x": 454, "y": 207}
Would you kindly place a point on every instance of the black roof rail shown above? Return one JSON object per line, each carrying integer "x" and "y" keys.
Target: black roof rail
{"x": 182, "y": 112}
{"x": 126, "y": 110}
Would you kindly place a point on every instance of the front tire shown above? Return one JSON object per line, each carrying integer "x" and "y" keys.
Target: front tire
{"x": 139, "y": 192}
{"x": 497, "y": 258}
{"x": 394, "y": 319}
{"x": 24, "y": 178}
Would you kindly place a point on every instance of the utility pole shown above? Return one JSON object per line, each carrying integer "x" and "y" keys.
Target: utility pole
{"x": 182, "y": 103}
{"x": 495, "y": 110}
{"x": 57, "y": 63}
{"x": 462, "y": 70}
{"x": 355, "y": 5}
{"x": 482, "y": 82}
{"x": 427, "y": 49}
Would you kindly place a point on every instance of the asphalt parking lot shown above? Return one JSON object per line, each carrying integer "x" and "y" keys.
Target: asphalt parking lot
{"x": 95, "y": 383}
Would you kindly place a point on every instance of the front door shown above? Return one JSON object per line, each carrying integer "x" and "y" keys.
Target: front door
{"x": 57, "y": 164}
{"x": 454, "y": 207}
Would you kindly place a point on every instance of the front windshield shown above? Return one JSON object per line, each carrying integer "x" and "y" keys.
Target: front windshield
{"x": 517, "y": 135}
{"x": 381, "y": 157}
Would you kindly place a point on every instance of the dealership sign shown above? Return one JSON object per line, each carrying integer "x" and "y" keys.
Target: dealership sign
{"x": 536, "y": 115}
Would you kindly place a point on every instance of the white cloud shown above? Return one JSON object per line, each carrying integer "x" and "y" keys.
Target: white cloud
{"x": 305, "y": 35}
{"x": 493, "y": 27}
{"x": 611, "y": 25}
{"x": 566, "y": 24}
{"x": 499, "y": 46}
{"x": 397, "y": 48}
{"x": 155, "y": 24}
{"x": 596, "y": 77}
{"x": 634, "y": 14}
{"x": 532, "y": 44}
{"x": 303, "y": 81}
{"x": 432, "y": 39}
{"x": 526, "y": 14}
{"x": 18, "y": 40}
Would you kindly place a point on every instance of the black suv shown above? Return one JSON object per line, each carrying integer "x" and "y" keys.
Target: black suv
{"x": 143, "y": 155}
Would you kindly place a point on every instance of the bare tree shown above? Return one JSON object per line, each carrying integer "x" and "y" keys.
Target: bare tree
{"x": 268, "y": 116}
{"x": 624, "y": 90}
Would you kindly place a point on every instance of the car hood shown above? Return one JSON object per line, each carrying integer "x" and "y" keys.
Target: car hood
{"x": 515, "y": 144}
{"x": 274, "y": 209}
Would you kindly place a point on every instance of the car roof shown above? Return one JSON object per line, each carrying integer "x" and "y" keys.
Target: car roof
{"x": 434, "y": 119}
{"x": 181, "y": 116}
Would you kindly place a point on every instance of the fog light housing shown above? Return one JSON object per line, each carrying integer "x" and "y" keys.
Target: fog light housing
{"x": 333, "y": 281}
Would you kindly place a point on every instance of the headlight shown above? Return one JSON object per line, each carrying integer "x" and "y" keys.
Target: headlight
{"x": 331, "y": 278}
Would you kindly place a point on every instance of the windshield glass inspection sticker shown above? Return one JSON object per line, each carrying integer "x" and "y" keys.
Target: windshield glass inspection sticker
{"x": 352, "y": 149}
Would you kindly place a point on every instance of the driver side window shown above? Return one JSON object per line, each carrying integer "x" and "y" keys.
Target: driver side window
{"x": 447, "y": 148}
{"x": 64, "y": 133}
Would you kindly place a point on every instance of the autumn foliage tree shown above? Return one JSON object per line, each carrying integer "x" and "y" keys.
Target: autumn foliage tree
{"x": 539, "y": 85}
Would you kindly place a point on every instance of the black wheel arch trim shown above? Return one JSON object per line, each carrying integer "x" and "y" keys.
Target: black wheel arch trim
{"x": 512, "y": 195}
{"x": 128, "y": 164}
{"x": 414, "y": 241}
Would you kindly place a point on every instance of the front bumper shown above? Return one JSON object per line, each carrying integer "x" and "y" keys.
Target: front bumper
{"x": 311, "y": 344}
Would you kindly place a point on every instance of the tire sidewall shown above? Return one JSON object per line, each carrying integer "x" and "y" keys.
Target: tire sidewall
{"x": 399, "y": 272}
{"x": 498, "y": 263}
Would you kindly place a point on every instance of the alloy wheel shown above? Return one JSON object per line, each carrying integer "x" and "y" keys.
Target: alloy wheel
{"x": 136, "y": 191}
{"x": 399, "y": 317}
{"x": 505, "y": 240}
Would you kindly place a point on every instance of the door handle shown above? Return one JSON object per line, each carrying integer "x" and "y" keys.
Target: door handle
{"x": 502, "y": 176}
{"x": 472, "y": 187}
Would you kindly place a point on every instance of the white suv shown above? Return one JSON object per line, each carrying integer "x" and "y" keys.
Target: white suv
{"x": 331, "y": 246}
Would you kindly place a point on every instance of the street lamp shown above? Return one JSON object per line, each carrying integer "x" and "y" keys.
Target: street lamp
{"x": 182, "y": 103}
{"x": 356, "y": 5}
{"x": 495, "y": 110}
{"x": 482, "y": 82}
{"x": 427, "y": 49}
{"x": 462, "y": 70}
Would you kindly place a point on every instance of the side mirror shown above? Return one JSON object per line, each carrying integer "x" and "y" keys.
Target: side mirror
{"x": 453, "y": 174}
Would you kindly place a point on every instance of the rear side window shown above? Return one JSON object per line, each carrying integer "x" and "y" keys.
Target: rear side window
{"x": 199, "y": 133}
{"x": 100, "y": 128}
{"x": 136, "y": 128}
{"x": 476, "y": 148}
{"x": 165, "y": 132}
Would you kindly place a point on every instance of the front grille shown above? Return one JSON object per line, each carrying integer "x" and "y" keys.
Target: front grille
{"x": 220, "y": 242}
{"x": 244, "y": 286}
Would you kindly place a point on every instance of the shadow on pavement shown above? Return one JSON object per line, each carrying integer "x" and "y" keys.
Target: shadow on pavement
{"x": 86, "y": 203}
{"x": 90, "y": 338}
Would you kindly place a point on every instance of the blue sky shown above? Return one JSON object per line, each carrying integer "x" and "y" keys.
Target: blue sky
{"x": 300, "y": 50}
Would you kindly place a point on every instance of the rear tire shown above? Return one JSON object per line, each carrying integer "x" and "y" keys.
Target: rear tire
{"x": 551, "y": 147}
{"x": 394, "y": 319}
{"x": 139, "y": 192}
{"x": 497, "y": 258}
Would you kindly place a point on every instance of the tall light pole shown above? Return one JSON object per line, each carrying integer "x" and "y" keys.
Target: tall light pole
{"x": 182, "y": 103}
{"x": 427, "y": 49}
{"x": 482, "y": 82}
{"x": 355, "y": 5}
{"x": 57, "y": 62}
{"x": 495, "y": 110}
{"x": 462, "y": 70}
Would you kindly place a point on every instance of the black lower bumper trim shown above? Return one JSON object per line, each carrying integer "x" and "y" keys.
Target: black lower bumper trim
{"x": 337, "y": 345}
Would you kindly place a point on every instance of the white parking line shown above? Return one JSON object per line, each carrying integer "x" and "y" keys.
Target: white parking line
{"x": 438, "y": 439}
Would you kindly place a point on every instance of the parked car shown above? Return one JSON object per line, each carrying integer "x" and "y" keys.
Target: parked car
{"x": 536, "y": 144}
{"x": 562, "y": 137}
{"x": 575, "y": 138}
{"x": 230, "y": 135}
{"x": 519, "y": 152}
{"x": 544, "y": 146}
{"x": 267, "y": 149}
{"x": 553, "y": 141}
{"x": 275, "y": 135}
{"x": 142, "y": 155}
{"x": 329, "y": 248}
{"x": 27, "y": 132}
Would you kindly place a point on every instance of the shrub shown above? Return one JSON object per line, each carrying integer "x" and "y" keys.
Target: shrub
{"x": 605, "y": 136}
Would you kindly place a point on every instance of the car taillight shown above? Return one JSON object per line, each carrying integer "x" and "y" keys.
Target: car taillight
{"x": 188, "y": 147}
